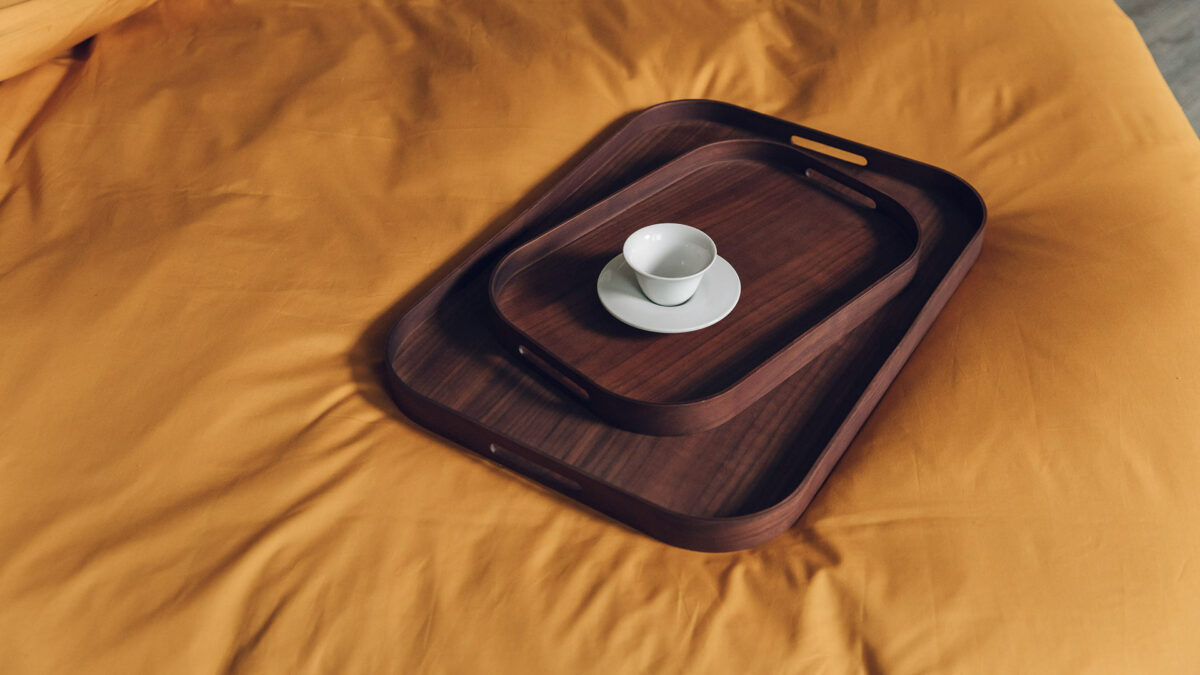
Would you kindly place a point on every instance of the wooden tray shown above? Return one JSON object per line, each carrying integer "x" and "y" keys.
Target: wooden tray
{"x": 817, "y": 251}
{"x": 728, "y": 488}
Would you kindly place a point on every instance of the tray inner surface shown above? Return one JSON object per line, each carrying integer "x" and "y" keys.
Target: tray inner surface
{"x": 801, "y": 250}
{"x": 749, "y": 463}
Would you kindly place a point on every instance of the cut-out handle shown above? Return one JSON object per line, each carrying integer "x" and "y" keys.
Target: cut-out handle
{"x": 553, "y": 373}
{"x": 836, "y": 153}
{"x": 839, "y": 188}
{"x": 533, "y": 470}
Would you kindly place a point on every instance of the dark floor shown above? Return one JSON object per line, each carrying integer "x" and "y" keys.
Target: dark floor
{"x": 1171, "y": 28}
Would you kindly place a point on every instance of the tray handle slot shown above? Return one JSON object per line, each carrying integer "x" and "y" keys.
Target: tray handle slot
{"x": 533, "y": 470}
{"x": 829, "y": 150}
{"x": 839, "y": 188}
{"x": 553, "y": 373}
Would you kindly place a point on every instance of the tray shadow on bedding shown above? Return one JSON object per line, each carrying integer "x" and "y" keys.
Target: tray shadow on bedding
{"x": 454, "y": 375}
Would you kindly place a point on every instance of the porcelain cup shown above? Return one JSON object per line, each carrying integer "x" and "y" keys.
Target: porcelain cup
{"x": 669, "y": 260}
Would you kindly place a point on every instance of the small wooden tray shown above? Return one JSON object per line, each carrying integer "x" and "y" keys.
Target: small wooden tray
{"x": 817, "y": 251}
{"x": 728, "y": 488}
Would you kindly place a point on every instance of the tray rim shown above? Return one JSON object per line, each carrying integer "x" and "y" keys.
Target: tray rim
{"x": 692, "y": 415}
{"x": 703, "y": 533}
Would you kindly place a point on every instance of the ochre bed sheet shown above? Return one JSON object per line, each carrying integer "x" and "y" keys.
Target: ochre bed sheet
{"x": 207, "y": 220}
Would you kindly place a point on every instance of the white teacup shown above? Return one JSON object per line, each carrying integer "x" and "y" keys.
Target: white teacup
{"x": 669, "y": 260}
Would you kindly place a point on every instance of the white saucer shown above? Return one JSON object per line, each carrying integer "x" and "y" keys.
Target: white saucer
{"x": 719, "y": 291}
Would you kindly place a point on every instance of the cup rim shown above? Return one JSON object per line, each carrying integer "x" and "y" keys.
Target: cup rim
{"x": 712, "y": 247}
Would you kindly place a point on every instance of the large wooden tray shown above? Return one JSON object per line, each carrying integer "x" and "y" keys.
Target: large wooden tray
{"x": 818, "y": 252}
{"x": 734, "y": 486}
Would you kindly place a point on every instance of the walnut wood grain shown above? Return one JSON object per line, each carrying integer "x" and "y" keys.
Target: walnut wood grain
{"x": 814, "y": 264}
{"x": 727, "y": 488}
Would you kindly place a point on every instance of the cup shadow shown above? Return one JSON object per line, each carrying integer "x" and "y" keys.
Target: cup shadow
{"x": 541, "y": 286}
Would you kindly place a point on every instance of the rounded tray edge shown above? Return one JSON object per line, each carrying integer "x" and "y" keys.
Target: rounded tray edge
{"x": 677, "y": 418}
{"x": 411, "y": 402}
{"x": 710, "y": 534}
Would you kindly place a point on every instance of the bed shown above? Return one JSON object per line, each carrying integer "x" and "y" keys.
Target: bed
{"x": 211, "y": 213}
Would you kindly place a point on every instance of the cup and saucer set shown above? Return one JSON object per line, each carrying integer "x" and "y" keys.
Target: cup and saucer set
{"x": 669, "y": 279}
